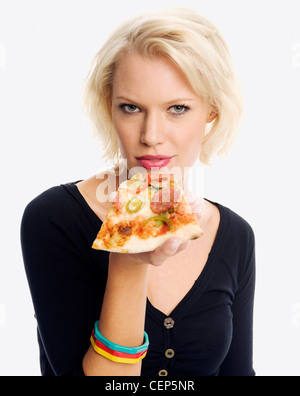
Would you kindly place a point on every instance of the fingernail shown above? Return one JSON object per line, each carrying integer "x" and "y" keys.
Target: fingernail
{"x": 174, "y": 246}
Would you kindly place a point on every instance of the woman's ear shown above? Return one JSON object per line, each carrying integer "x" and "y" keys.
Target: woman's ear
{"x": 212, "y": 115}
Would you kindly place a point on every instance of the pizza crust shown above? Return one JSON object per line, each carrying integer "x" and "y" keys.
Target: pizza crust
{"x": 138, "y": 245}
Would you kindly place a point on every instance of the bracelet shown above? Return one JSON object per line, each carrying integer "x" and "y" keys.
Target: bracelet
{"x": 118, "y": 353}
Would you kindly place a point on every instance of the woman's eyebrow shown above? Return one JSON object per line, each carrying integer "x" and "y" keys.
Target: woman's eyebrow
{"x": 177, "y": 101}
{"x": 126, "y": 99}
{"x": 174, "y": 101}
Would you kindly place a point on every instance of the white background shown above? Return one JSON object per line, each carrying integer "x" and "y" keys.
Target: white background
{"x": 45, "y": 50}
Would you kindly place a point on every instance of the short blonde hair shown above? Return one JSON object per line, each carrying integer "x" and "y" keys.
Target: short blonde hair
{"x": 195, "y": 45}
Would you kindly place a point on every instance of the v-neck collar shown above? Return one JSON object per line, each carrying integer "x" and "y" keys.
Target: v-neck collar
{"x": 203, "y": 280}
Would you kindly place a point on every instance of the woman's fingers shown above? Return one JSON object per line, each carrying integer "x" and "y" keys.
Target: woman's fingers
{"x": 170, "y": 248}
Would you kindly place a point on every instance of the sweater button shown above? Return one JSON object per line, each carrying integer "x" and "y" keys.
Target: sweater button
{"x": 169, "y": 353}
{"x": 169, "y": 323}
{"x": 163, "y": 373}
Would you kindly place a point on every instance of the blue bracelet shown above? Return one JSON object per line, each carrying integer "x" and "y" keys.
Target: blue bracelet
{"x": 120, "y": 348}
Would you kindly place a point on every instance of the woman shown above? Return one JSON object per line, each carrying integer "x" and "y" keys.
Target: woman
{"x": 162, "y": 86}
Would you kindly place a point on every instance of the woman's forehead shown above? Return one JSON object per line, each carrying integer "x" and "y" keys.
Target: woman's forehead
{"x": 139, "y": 76}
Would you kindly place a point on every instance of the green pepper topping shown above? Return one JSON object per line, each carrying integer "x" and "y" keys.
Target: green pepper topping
{"x": 161, "y": 219}
{"x": 134, "y": 205}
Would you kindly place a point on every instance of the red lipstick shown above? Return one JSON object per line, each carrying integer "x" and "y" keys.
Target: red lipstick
{"x": 154, "y": 161}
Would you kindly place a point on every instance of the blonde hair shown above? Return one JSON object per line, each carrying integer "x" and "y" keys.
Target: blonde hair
{"x": 195, "y": 45}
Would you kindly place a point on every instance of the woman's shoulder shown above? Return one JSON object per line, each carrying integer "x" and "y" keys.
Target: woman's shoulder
{"x": 235, "y": 222}
{"x": 58, "y": 217}
{"x": 52, "y": 201}
{"x": 236, "y": 235}
{"x": 61, "y": 207}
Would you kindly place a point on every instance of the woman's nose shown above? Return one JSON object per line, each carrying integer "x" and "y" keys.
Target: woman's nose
{"x": 153, "y": 130}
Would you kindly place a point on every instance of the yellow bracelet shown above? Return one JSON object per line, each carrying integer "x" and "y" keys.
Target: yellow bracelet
{"x": 115, "y": 358}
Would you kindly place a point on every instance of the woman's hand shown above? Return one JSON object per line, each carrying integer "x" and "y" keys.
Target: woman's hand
{"x": 170, "y": 248}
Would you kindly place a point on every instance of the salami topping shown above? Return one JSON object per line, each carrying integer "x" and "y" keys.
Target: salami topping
{"x": 165, "y": 200}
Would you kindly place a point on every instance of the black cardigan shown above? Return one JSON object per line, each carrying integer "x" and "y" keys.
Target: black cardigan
{"x": 209, "y": 333}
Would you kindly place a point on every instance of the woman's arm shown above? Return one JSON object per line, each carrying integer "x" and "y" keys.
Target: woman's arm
{"x": 122, "y": 319}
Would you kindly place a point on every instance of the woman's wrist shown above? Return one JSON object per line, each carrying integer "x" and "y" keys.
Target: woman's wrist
{"x": 128, "y": 262}
{"x": 123, "y": 312}
{"x": 127, "y": 267}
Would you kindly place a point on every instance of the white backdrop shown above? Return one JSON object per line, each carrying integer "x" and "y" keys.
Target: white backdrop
{"x": 45, "y": 50}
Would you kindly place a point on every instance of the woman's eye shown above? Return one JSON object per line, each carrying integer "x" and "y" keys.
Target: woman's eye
{"x": 177, "y": 110}
{"x": 129, "y": 108}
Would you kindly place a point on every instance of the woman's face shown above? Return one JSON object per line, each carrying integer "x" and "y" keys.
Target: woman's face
{"x": 156, "y": 113}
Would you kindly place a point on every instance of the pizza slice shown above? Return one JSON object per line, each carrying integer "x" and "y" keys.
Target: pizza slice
{"x": 147, "y": 211}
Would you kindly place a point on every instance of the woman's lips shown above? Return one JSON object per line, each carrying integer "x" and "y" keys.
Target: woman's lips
{"x": 154, "y": 161}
